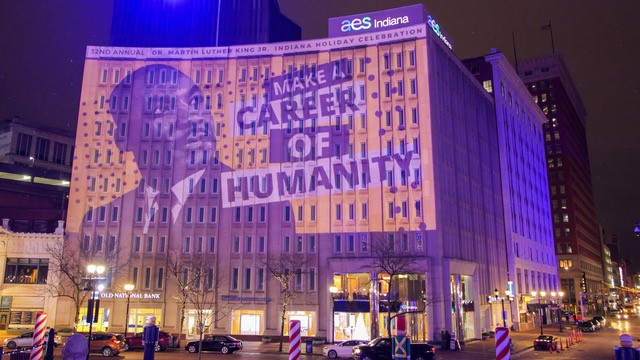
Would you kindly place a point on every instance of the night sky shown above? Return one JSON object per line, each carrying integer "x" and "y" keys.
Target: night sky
{"x": 42, "y": 46}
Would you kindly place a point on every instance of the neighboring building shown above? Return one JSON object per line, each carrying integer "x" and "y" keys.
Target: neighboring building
{"x": 27, "y": 144}
{"x": 576, "y": 230}
{"x": 24, "y": 262}
{"x": 149, "y": 23}
{"x": 35, "y": 170}
{"x": 371, "y": 136}
{"x": 531, "y": 259}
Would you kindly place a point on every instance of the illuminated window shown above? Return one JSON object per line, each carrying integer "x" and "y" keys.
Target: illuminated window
{"x": 488, "y": 85}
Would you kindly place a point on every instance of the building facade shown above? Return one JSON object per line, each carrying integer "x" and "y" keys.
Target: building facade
{"x": 150, "y": 23}
{"x": 576, "y": 230}
{"x": 35, "y": 170}
{"x": 24, "y": 262}
{"x": 531, "y": 259}
{"x": 318, "y": 148}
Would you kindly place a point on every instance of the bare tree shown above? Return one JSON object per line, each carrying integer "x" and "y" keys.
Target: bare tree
{"x": 68, "y": 263}
{"x": 198, "y": 281}
{"x": 287, "y": 269}
{"x": 388, "y": 260}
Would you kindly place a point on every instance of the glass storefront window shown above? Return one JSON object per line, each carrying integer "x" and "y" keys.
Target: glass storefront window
{"x": 247, "y": 322}
{"x": 308, "y": 326}
{"x": 26, "y": 271}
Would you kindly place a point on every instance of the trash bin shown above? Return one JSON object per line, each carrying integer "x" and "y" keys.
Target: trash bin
{"x": 309, "y": 345}
{"x": 20, "y": 355}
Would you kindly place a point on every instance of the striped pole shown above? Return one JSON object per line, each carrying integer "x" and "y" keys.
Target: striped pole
{"x": 38, "y": 336}
{"x": 294, "y": 340}
{"x": 503, "y": 350}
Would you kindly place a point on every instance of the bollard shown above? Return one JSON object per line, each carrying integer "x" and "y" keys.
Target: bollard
{"x": 294, "y": 339}
{"x": 561, "y": 348}
{"x": 503, "y": 344}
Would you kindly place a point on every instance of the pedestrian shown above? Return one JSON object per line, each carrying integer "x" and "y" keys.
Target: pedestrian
{"x": 447, "y": 340}
{"x": 575, "y": 318}
{"x": 567, "y": 317}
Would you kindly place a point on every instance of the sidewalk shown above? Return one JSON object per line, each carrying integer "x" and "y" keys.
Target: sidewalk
{"x": 522, "y": 340}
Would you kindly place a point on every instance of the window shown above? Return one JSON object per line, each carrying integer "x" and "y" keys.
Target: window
{"x": 234, "y": 278}
{"x": 160, "y": 278}
{"x": 387, "y": 61}
{"x": 86, "y": 242}
{"x": 337, "y": 243}
{"x": 248, "y": 244}
{"x": 26, "y": 271}
{"x": 488, "y": 85}
{"x": 99, "y": 243}
{"x": 136, "y": 244}
{"x": 23, "y": 147}
{"x": 211, "y": 245}
{"x": 286, "y": 245}
{"x": 247, "y": 279}
{"x": 186, "y": 246}
{"x": 261, "y": 244}
{"x": 236, "y": 244}
{"x": 162, "y": 243}
{"x": 260, "y": 279}
{"x": 42, "y": 149}
{"x": 111, "y": 244}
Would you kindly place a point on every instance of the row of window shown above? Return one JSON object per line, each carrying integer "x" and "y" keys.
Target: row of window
{"x": 530, "y": 280}
{"x": 251, "y": 213}
{"x": 245, "y": 279}
{"x": 58, "y": 154}
{"x": 206, "y": 75}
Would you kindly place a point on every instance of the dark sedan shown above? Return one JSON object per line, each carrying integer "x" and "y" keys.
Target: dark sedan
{"x": 586, "y": 326}
{"x": 545, "y": 342}
{"x": 224, "y": 343}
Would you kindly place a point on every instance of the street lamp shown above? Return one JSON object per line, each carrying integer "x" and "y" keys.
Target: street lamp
{"x": 127, "y": 288}
{"x": 333, "y": 290}
{"x": 560, "y": 306}
{"x": 539, "y": 295}
{"x": 94, "y": 273}
{"x": 504, "y": 314}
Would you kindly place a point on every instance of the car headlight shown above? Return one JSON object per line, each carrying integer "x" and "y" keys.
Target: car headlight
{"x": 357, "y": 351}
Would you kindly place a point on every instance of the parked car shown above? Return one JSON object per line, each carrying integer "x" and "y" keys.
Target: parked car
{"x": 26, "y": 340}
{"x": 596, "y": 324}
{"x": 380, "y": 349}
{"x": 341, "y": 350}
{"x": 108, "y": 344}
{"x": 601, "y": 319}
{"x": 224, "y": 343}
{"x": 165, "y": 340}
{"x": 586, "y": 326}
{"x": 544, "y": 342}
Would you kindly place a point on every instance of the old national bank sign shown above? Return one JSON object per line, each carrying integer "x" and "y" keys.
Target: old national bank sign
{"x": 313, "y": 147}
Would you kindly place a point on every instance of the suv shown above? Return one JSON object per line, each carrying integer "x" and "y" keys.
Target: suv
{"x": 136, "y": 341}
{"x": 108, "y": 344}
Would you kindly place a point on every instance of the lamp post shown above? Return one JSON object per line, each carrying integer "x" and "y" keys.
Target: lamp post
{"x": 560, "y": 306}
{"x": 127, "y": 288}
{"x": 333, "y": 290}
{"x": 94, "y": 273}
{"x": 539, "y": 295}
{"x": 504, "y": 314}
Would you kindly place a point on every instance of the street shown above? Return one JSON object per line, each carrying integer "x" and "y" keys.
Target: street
{"x": 594, "y": 346}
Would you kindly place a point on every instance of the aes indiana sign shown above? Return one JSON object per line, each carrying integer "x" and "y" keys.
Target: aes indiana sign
{"x": 386, "y": 20}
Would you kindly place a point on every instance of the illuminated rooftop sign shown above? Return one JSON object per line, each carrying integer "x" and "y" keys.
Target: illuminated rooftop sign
{"x": 386, "y": 20}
